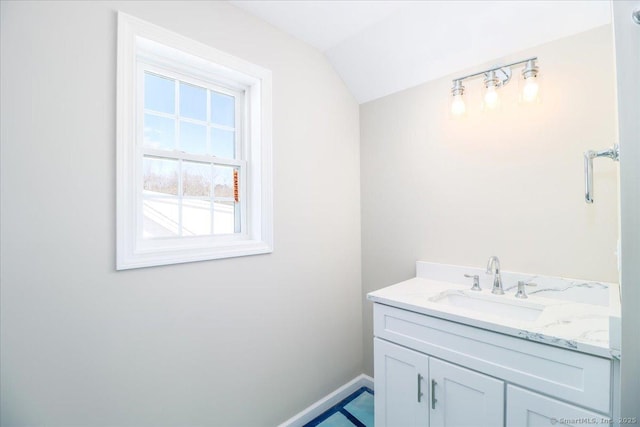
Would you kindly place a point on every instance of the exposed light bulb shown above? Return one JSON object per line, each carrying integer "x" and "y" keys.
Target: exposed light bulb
{"x": 530, "y": 89}
{"x": 457, "y": 102}
{"x": 491, "y": 98}
{"x": 457, "y": 105}
{"x": 531, "y": 85}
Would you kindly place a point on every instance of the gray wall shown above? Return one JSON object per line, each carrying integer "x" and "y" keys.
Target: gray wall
{"x": 507, "y": 183}
{"x": 237, "y": 342}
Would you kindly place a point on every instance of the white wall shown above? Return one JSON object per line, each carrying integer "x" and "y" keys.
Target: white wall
{"x": 627, "y": 42}
{"x": 237, "y": 342}
{"x": 508, "y": 183}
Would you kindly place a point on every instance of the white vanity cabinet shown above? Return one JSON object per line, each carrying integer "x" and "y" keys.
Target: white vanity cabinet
{"x": 434, "y": 372}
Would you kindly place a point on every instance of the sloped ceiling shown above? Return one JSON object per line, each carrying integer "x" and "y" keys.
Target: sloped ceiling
{"x": 381, "y": 47}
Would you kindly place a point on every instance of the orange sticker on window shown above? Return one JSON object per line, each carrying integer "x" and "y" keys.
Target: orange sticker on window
{"x": 236, "y": 195}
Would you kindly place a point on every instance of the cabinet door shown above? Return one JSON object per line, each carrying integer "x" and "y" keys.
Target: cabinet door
{"x": 460, "y": 397}
{"x": 528, "y": 409}
{"x": 401, "y": 378}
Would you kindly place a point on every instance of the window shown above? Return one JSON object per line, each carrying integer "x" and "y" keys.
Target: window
{"x": 191, "y": 149}
{"x": 194, "y": 150}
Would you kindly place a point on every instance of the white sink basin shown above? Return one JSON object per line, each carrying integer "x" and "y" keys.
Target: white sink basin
{"x": 496, "y": 305}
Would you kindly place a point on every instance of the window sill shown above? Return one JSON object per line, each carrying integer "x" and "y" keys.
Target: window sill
{"x": 138, "y": 259}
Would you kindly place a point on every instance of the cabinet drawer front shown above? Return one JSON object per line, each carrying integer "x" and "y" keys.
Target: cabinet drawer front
{"x": 572, "y": 376}
{"x": 528, "y": 409}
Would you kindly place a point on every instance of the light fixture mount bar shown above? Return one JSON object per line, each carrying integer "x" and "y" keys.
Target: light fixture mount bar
{"x": 535, "y": 58}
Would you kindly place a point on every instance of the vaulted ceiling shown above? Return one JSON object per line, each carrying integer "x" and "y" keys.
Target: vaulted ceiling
{"x": 381, "y": 47}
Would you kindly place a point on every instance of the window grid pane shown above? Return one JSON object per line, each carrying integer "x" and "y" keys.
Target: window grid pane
{"x": 160, "y": 217}
{"x": 160, "y": 176}
{"x": 159, "y": 132}
{"x": 224, "y": 220}
{"x": 193, "y": 138}
{"x": 193, "y": 101}
{"x": 159, "y": 93}
{"x": 196, "y": 179}
{"x": 196, "y": 217}
{"x": 223, "y": 109}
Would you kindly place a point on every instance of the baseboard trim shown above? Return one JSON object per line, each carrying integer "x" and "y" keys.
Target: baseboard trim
{"x": 328, "y": 401}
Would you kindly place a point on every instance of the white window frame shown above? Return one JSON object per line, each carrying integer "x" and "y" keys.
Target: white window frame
{"x": 148, "y": 64}
{"x": 144, "y": 46}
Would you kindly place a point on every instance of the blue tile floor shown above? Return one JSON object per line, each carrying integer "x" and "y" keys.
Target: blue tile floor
{"x": 355, "y": 410}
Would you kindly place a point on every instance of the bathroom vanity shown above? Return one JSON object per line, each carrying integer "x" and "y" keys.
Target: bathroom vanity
{"x": 445, "y": 355}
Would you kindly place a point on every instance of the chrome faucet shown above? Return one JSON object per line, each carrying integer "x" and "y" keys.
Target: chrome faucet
{"x": 494, "y": 266}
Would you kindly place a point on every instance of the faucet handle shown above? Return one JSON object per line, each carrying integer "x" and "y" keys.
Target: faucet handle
{"x": 476, "y": 282}
{"x": 521, "y": 292}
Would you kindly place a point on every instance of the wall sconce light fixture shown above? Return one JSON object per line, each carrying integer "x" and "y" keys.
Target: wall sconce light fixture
{"x": 494, "y": 79}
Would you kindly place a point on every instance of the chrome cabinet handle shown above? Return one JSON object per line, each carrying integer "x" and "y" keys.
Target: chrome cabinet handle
{"x": 613, "y": 153}
{"x": 433, "y": 394}
{"x": 419, "y": 387}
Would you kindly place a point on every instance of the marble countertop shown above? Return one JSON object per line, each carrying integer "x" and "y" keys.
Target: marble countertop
{"x": 576, "y": 314}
